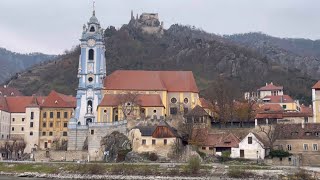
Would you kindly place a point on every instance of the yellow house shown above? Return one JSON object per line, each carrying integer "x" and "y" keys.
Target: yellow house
{"x": 158, "y": 139}
{"x": 285, "y": 101}
{"x": 55, "y": 113}
{"x": 316, "y": 102}
{"x": 177, "y": 89}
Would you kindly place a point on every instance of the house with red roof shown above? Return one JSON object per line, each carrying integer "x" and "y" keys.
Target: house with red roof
{"x": 157, "y": 139}
{"x": 270, "y": 90}
{"x": 25, "y": 118}
{"x": 55, "y": 113}
{"x": 274, "y": 114}
{"x": 160, "y": 93}
{"x": 21, "y": 116}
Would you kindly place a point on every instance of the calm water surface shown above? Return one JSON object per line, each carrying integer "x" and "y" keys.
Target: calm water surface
{"x": 18, "y": 178}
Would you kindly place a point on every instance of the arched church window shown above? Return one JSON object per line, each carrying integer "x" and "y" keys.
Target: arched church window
{"x": 92, "y": 29}
{"x": 91, "y": 54}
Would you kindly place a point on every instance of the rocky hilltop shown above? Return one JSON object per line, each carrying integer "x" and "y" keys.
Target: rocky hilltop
{"x": 209, "y": 56}
{"x": 300, "y": 54}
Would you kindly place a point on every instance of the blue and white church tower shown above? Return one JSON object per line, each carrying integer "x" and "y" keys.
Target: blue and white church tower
{"x": 91, "y": 73}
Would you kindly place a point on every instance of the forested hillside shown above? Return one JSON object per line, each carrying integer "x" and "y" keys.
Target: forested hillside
{"x": 211, "y": 58}
{"x": 12, "y": 63}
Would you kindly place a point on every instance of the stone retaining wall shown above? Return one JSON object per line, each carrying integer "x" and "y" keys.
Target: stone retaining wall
{"x": 60, "y": 155}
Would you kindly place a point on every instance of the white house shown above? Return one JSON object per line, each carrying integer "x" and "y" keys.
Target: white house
{"x": 250, "y": 147}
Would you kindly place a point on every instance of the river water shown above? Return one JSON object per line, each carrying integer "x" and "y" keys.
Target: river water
{"x": 17, "y": 178}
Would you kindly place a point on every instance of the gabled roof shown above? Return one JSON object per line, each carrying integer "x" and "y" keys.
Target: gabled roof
{"x": 156, "y": 131}
{"x": 298, "y": 131}
{"x": 279, "y": 99}
{"x": 57, "y": 100}
{"x": 164, "y": 130}
{"x": 171, "y": 81}
{"x": 316, "y": 86}
{"x": 9, "y": 91}
{"x": 263, "y": 141}
{"x": 228, "y": 141}
{"x": 18, "y": 104}
{"x": 197, "y": 111}
{"x": 270, "y": 87}
{"x": 144, "y": 100}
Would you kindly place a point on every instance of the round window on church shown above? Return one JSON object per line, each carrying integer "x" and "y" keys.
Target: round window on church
{"x": 173, "y": 100}
{"x": 90, "y": 79}
{"x": 186, "y": 100}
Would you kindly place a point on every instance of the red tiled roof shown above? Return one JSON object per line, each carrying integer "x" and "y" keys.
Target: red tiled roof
{"x": 270, "y": 108}
{"x": 205, "y": 138}
{"x": 213, "y": 139}
{"x": 297, "y": 114}
{"x": 18, "y": 104}
{"x": 205, "y": 103}
{"x": 172, "y": 81}
{"x": 280, "y": 99}
{"x": 9, "y": 91}
{"x": 296, "y": 131}
{"x": 316, "y": 86}
{"x": 3, "y": 104}
{"x": 270, "y": 87}
{"x": 306, "y": 109}
{"x": 229, "y": 141}
{"x": 57, "y": 100}
{"x": 144, "y": 100}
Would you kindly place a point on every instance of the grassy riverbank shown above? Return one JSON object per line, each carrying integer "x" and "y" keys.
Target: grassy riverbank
{"x": 105, "y": 169}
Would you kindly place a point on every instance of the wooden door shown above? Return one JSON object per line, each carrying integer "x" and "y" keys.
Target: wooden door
{"x": 241, "y": 153}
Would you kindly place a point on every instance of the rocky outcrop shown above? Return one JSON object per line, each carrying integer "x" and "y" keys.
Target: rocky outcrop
{"x": 112, "y": 145}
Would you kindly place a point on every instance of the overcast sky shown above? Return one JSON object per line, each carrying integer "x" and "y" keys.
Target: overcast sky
{"x": 52, "y": 26}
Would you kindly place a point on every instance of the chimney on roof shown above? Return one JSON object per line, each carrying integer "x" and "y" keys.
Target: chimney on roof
{"x": 266, "y": 84}
{"x": 310, "y": 106}
{"x": 5, "y": 86}
{"x": 281, "y": 99}
{"x": 271, "y": 83}
{"x": 302, "y": 124}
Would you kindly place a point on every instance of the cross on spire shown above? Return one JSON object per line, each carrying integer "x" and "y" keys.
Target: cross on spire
{"x": 93, "y": 7}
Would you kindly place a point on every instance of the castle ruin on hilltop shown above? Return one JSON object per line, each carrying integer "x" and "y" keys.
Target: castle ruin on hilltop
{"x": 147, "y": 22}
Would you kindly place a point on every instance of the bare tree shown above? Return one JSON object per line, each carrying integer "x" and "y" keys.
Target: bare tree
{"x": 128, "y": 102}
{"x": 14, "y": 147}
{"x": 244, "y": 111}
{"x": 223, "y": 96}
{"x": 271, "y": 132}
{"x": 191, "y": 133}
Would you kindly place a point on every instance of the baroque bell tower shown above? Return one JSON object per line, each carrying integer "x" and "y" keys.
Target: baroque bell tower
{"x": 91, "y": 72}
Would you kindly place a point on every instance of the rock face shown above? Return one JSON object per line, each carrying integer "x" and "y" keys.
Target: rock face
{"x": 114, "y": 143}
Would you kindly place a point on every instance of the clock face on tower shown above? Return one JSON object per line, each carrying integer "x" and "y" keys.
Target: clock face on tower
{"x": 91, "y": 42}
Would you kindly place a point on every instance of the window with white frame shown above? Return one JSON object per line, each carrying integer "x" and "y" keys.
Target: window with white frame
{"x": 315, "y": 147}
{"x": 289, "y": 147}
{"x": 305, "y": 147}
